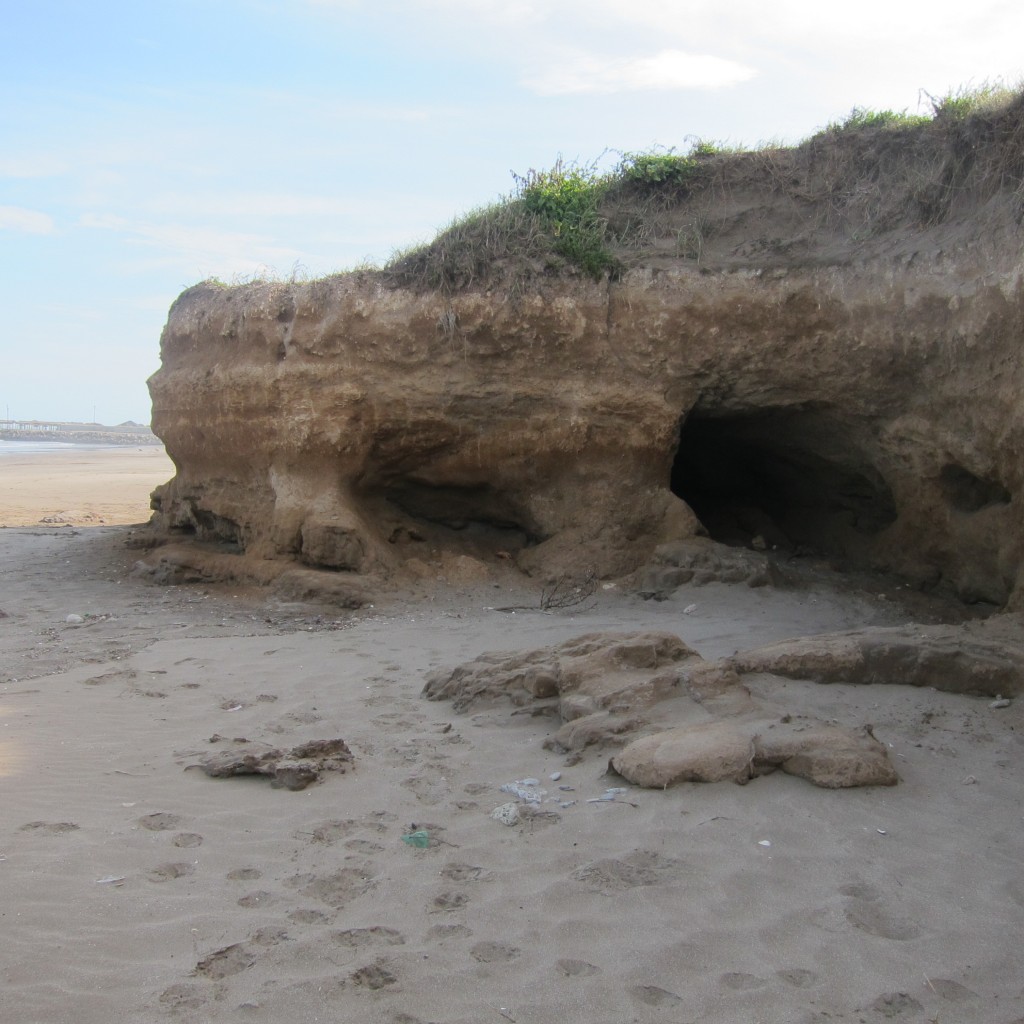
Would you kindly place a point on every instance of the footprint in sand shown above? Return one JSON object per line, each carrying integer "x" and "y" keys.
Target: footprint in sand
{"x": 244, "y": 874}
{"x": 861, "y": 891}
{"x": 255, "y": 900}
{"x": 577, "y": 968}
{"x": 651, "y": 995}
{"x": 798, "y": 977}
{"x": 742, "y": 982}
{"x": 951, "y": 990}
{"x": 444, "y": 932}
{"x": 494, "y": 952}
{"x": 359, "y": 938}
{"x": 53, "y": 828}
{"x": 187, "y": 839}
{"x": 308, "y": 916}
{"x": 363, "y": 846}
{"x": 183, "y": 997}
{"x": 896, "y": 1004}
{"x": 223, "y": 963}
{"x": 463, "y": 872}
{"x": 335, "y": 889}
{"x": 331, "y": 831}
{"x": 879, "y": 919}
{"x": 168, "y": 872}
{"x": 161, "y": 821}
{"x": 374, "y": 976}
{"x": 638, "y": 869}
{"x": 449, "y": 901}
{"x": 429, "y": 788}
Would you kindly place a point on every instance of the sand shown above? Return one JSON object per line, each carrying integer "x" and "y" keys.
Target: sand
{"x": 80, "y": 485}
{"x": 137, "y": 889}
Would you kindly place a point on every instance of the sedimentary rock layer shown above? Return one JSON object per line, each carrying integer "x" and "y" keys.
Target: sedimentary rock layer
{"x": 858, "y": 396}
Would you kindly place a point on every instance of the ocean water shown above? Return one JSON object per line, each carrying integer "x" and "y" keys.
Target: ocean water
{"x": 43, "y": 447}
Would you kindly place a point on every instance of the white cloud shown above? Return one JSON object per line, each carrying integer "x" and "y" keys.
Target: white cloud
{"x": 31, "y": 167}
{"x": 667, "y": 70}
{"x": 200, "y": 251}
{"x": 256, "y": 204}
{"x": 28, "y": 222}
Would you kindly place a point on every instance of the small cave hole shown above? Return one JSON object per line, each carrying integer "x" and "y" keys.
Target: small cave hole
{"x": 966, "y": 492}
{"x": 783, "y": 479}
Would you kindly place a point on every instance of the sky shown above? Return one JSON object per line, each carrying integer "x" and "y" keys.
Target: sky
{"x": 145, "y": 146}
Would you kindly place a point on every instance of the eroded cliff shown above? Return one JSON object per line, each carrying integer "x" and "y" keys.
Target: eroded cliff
{"x": 810, "y": 349}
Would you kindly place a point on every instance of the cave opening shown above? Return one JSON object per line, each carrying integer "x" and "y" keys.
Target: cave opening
{"x": 784, "y": 479}
{"x": 474, "y": 516}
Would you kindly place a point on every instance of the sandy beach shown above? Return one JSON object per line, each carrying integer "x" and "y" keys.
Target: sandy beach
{"x": 138, "y": 889}
{"x": 79, "y": 484}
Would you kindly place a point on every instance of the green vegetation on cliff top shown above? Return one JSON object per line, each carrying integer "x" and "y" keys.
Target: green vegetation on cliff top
{"x": 871, "y": 171}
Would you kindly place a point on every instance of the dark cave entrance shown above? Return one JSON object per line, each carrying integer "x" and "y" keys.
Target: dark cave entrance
{"x": 787, "y": 479}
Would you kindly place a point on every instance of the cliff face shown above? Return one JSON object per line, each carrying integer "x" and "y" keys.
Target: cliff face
{"x": 857, "y": 397}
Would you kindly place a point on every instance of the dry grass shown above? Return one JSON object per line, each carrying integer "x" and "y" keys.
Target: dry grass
{"x": 871, "y": 173}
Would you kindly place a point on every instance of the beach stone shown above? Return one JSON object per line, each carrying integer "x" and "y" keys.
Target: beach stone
{"x": 294, "y": 769}
{"x": 507, "y": 814}
{"x": 985, "y": 658}
{"x": 709, "y": 752}
{"x": 826, "y": 755}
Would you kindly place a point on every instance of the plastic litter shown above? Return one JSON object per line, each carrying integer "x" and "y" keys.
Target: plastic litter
{"x": 555, "y": 776}
{"x": 74, "y": 620}
{"x": 526, "y": 790}
{"x": 420, "y": 839}
{"x": 764, "y": 842}
{"x": 689, "y": 609}
{"x": 1000, "y": 702}
{"x": 111, "y": 880}
{"x": 608, "y": 795}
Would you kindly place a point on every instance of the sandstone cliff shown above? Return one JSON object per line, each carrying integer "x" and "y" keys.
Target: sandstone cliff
{"x": 817, "y": 348}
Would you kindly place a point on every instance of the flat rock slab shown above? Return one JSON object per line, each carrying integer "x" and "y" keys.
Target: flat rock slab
{"x": 827, "y": 755}
{"x": 676, "y": 717}
{"x": 291, "y": 769}
{"x": 979, "y": 658}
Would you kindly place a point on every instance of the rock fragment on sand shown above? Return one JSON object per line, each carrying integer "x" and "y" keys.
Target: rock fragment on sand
{"x": 507, "y": 814}
{"x": 677, "y": 717}
{"x": 826, "y": 755}
{"x": 291, "y": 769}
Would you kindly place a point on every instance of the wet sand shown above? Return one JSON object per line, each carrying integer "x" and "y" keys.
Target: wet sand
{"x": 97, "y": 486}
{"x": 137, "y": 889}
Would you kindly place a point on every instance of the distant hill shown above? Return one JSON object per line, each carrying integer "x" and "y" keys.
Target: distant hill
{"x": 127, "y": 433}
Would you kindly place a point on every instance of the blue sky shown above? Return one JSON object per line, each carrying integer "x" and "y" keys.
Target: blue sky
{"x": 145, "y": 146}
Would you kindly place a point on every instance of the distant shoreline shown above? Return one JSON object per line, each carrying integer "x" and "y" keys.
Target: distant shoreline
{"x": 39, "y": 431}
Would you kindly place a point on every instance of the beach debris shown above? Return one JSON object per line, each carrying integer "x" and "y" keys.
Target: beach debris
{"x": 1000, "y": 702}
{"x": 420, "y": 839}
{"x": 292, "y": 769}
{"x": 689, "y": 609}
{"x": 608, "y": 796}
{"x": 73, "y": 619}
{"x": 526, "y": 790}
{"x": 968, "y": 780}
{"x": 555, "y": 776}
{"x": 507, "y": 814}
{"x": 882, "y": 831}
{"x": 111, "y": 880}
{"x": 764, "y": 842}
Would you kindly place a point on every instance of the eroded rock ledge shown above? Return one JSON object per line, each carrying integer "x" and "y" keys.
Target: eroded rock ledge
{"x": 853, "y": 391}
{"x": 667, "y": 716}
